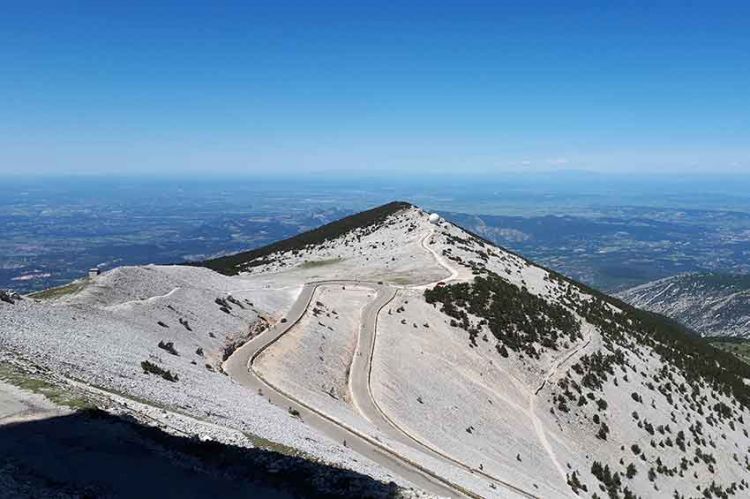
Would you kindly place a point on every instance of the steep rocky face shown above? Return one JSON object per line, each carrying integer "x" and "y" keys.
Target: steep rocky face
{"x": 711, "y": 304}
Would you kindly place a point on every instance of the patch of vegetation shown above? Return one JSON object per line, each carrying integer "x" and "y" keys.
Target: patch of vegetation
{"x": 265, "y": 444}
{"x": 595, "y": 369}
{"x": 60, "y": 291}
{"x": 234, "y": 300}
{"x": 575, "y": 483}
{"x": 294, "y": 413}
{"x": 311, "y": 264}
{"x": 517, "y": 318}
{"x": 603, "y": 431}
{"x": 739, "y": 347}
{"x": 224, "y": 305}
{"x": 738, "y": 282}
{"x": 631, "y": 471}
{"x": 611, "y": 482}
{"x": 233, "y": 264}
{"x": 151, "y": 368}
{"x": 168, "y": 346}
{"x": 693, "y": 357}
{"x": 401, "y": 281}
{"x": 33, "y": 382}
{"x": 9, "y": 297}
{"x": 691, "y": 370}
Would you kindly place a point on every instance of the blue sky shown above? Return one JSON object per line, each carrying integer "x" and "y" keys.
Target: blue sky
{"x": 374, "y": 87}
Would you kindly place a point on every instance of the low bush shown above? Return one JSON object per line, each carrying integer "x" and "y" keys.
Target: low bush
{"x": 151, "y": 368}
{"x": 168, "y": 346}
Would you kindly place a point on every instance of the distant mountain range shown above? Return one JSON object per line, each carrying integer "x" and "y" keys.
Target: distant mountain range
{"x": 712, "y": 304}
{"x": 616, "y": 249}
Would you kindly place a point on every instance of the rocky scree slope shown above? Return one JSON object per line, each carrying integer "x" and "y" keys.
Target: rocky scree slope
{"x": 710, "y": 303}
{"x": 155, "y": 338}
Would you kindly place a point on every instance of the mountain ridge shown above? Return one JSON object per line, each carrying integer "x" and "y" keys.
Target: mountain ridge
{"x": 230, "y": 264}
{"x": 714, "y": 304}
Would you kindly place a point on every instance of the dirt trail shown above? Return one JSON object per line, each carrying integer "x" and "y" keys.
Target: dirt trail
{"x": 537, "y": 423}
{"x": 439, "y": 259}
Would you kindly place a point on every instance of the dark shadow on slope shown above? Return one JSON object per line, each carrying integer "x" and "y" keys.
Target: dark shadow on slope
{"x": 95, "y": 454}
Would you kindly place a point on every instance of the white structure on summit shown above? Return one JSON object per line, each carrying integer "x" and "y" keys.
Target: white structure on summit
{"x": 434, "y": 218}
{"x": 93, "y": 272}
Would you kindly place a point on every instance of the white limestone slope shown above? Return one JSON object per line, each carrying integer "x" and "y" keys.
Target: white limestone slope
{"x": 392, "y": 252}
{"x": 102, "y": 334}
{"x": 451, "y": 383}
{"x": 461, "y": 400}
{"x": 312, "y": 360}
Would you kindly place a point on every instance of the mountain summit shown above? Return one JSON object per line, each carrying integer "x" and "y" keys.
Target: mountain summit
{"x": 402, "y": 347}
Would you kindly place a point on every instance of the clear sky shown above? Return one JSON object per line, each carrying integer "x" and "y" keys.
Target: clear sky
{"x": 352, "y": 86}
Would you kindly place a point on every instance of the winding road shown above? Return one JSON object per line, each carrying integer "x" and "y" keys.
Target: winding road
{"x": 240, "y": 367}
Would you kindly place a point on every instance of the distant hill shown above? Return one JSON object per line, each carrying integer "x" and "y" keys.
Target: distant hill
{"x": 713, "y": 304}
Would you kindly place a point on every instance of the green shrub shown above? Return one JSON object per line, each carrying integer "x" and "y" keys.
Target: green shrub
{"x": 168, "y": 346}
{"x": 517, "y": 318}
{"x": 151, "y": 368}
